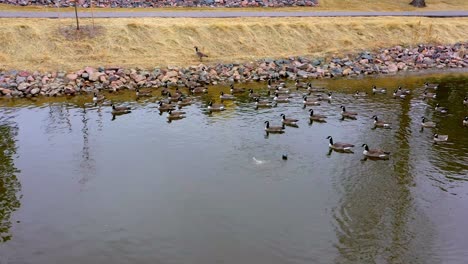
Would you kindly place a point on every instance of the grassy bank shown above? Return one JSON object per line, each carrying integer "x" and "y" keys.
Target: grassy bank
{"x": 146, "y": 42}
{"x": 325, "y": 5}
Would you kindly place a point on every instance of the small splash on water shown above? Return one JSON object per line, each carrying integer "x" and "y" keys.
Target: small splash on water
{"x": 259, "y": 162}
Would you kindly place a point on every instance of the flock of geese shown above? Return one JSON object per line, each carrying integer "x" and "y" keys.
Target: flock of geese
{"x": 278, "y": 93}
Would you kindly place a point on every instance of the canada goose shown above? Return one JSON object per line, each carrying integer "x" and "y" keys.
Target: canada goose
{"x": 215, "y": 107}
{"x": 264, "y": 104}
{"x": 119, "y": 108}
{"x": 173, "y": 98}
{"x": 226, "y": 96}
{"x": 288, "y": 121}
{"x": 465, "y": 101}
{"x": 431, "y": 85}
{"x": 269, "y": 84}
{"x": 360, "y": 94}
{"x": 398, "y": 94}
{"x": 316, "y": 118}
{"x": 329, "y": 97}
{"x": 301, "y": 85}
{"x": 440, "y": 138}
{"x": 441, "y": 109}
{"x": 199, "y": 54}
{"x": 375, "y": 153}
{"x": 382, "y": 124}
{"x": 280, "y": 99}
{"x": 164, "y": 107}
{"x": 306, "y": 102}
{"x": 98, "y": 98}
{"x": 339, "y": 146}
{"x": 184, "y": 102}
{"x": 376, "y": 90}
{"x": 199, "y": 90}
{"x": 142, "y": 94}
{"x": 274, "y": 129}
{"x": 175, "y": 115}
{"x": 281, "y": 91}
{"x": 403, "y": 91}
{"x": 465, "y": 121}
{"x": 346, "y": 114}
{"x": 427, "y": 124}
{"x": 314, "y": 89}
{"x": 236, "y": 90}
{"x": 429, "y": 95}
{"x": 252, "y": 94}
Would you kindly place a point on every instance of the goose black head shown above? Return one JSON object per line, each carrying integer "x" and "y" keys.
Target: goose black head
{"x": 436, "y": 135}
{"x": 365, "y": 147}
{"x": 375, "y": 117}
{"x": 210, "y": 103}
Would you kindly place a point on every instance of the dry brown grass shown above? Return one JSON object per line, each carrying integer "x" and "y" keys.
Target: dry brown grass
{"x": 148, "y": 42}
{"x": 344, "y": 5}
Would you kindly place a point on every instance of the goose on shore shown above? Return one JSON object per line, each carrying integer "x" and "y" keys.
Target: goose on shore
{"x": 440, "y": 138}
{"x": 289, "y": 121}
{"x": 339, "y": 146}
{"x": 427, "y": 124}
{"x": 98, "y": 98}
{"x": 382, "y": 124}
{"x": 316, "y": 118}
{"x": 346, "y": 114}
{"x": 200, "y": 54}
{"x": 274, "y": 129}
{"x": 375, "y": 153}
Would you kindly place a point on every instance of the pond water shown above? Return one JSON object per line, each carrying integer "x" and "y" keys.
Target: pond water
{"x": 77, "y": 186}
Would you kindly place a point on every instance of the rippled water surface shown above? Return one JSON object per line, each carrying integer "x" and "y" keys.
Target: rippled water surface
{"x": 77, "y": 186}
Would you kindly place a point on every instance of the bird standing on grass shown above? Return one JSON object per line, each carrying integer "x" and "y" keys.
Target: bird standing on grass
{"x": 200, "y": 54}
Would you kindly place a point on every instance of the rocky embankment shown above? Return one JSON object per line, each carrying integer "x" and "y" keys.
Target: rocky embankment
{"x": 386, "y": 61}
{"x": 165, "y": 3}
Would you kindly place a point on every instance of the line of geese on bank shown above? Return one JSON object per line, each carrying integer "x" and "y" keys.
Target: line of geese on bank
{"x": 282, "y": 95}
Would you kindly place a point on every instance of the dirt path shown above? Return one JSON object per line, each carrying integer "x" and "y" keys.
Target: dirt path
{"x": 221, "y": 14}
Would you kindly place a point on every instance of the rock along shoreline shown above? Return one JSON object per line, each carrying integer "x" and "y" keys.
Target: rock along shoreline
{"x": 163, "y": 3}
{"x": 88, "y": 80}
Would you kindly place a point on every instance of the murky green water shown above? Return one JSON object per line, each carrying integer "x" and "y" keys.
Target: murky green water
{"x": 79, "y": 187}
